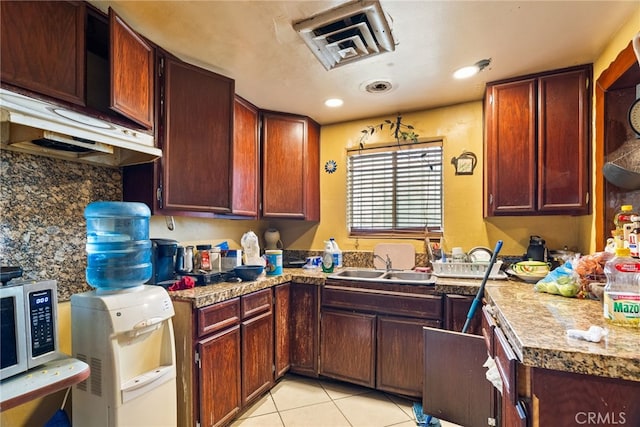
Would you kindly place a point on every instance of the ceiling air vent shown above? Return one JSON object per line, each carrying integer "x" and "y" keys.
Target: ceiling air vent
{"x": 347, "y": 33}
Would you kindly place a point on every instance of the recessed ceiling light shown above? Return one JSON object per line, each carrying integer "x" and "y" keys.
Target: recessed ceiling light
{"x": 334, "y": 102}
{"x": 466, "y": 72}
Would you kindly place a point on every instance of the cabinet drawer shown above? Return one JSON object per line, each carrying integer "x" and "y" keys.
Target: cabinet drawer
{"x": 256, "y": 303}
{"x": 218, "y": 316}
{"x": 506, "y": 363}
{"x": 488, "y": 325}
{"x": 387, "y": 302}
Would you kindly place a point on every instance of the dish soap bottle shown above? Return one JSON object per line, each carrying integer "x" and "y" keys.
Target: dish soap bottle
{"x": 327, "y": 257}
{"x": 622, "y": 292}
{"x": 337, "y": 253}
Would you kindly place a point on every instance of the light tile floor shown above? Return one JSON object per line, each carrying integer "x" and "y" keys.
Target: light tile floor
{"x": 306, "y": 402}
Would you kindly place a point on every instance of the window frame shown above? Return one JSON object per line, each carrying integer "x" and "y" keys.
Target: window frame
{"x": 400, "y": 233}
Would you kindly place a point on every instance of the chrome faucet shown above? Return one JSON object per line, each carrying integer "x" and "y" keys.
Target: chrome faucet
{"x": 387, "y": 261}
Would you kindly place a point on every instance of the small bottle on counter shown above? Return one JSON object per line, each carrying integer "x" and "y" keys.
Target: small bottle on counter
{"x": 202, "y": 259}
{"x": 633, "y": 237}
{"x": 337, "y": 253}
{"x": 622, "y": 291}
{"x": 215, "y": 259}
{"x": 622, "y": 218}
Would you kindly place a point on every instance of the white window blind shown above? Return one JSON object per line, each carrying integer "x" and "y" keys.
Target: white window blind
{"x": 395, "y": 190}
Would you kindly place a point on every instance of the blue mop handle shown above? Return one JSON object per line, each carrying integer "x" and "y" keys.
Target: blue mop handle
{"x": 478, "y": 298}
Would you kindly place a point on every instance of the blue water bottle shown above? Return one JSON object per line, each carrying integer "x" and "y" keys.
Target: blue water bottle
{"x": 118, "y": 245}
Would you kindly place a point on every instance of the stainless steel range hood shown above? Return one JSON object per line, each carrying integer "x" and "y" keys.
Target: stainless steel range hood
{"x": 34, "y": 126}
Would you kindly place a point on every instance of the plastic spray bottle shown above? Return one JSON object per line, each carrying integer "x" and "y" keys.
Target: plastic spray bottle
{"x": 337, "y": 253}
{"x": 327, "y": 257}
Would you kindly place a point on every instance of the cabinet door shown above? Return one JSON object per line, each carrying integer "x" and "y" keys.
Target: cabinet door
{"x": 290, "y": 167}
{"x": 196, "y": 161}
{"x": 131, "y": 73}
{"x": 455, "y": 386}
{"x": 456, "y": 308}
{"x": 283, "y": 153}
{"x": 42, "y": 47}
{"x": 305, "y": 329}
{"x": 511, "y": 148}
{"x": 257, "y": 356}
{"x": 563, "y": 142}
{"x": 347, "y": 345}
{"x": 246, "y": 161}
{"x": 219, "y": 377}
{"x": 400, "y": 357}
{"x": 282, "y": 346}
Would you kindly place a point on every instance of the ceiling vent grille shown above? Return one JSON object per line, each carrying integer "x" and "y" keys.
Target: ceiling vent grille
{"x": 347, "y": 33}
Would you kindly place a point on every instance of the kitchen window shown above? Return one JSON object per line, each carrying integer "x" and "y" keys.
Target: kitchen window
{"x": 395, "y": 190}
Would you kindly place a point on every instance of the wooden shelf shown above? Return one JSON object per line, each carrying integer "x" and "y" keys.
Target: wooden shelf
{"x": 41, "y": 381}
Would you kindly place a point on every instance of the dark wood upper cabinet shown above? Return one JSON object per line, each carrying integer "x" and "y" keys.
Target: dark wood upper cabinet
{"x": 195, "y": 122}
{"x": 196, "y": 139}
{"x": 42, "y": 47}
{"x": 73, "y": 53}
{"x": 537, "y": 144}
{"x": 246, "y": 159}
{"x": 290, "y": 167}
{"x": 132, "y": 64}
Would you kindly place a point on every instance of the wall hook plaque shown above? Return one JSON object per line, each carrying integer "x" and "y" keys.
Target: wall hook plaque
{"x": 465, "y": 163}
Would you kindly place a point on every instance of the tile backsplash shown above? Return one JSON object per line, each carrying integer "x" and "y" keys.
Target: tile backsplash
{"x": 42, "y": 225}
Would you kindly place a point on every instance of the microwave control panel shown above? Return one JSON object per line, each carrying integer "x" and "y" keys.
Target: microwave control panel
{"x": 42, "y": 322}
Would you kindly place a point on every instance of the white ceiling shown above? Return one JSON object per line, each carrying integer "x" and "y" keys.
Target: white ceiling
{"x": 254, "y": 43}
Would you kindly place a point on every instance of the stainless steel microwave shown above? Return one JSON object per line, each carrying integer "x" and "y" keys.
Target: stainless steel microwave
{"x": 28, "y": 326}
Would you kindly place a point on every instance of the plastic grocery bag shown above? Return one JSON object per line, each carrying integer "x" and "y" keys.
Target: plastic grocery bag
{"x": 561, "y": 281}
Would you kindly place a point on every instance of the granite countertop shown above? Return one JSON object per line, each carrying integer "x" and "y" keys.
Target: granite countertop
{"x": 534, "y": 323}
{"x": 201, "y": 296}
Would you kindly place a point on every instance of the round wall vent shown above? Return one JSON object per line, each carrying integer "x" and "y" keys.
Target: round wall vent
{"x": 378, "y": 86}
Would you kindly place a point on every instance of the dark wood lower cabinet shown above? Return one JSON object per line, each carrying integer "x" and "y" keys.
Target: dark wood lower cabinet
{"x": 257, "y": 356}
{"x": 282, "y": 319}
{"x": 456, "y": 309}
{"x": 455, "y": 386}
{"x": 371, "y": 334}
{"x": 305, "y": 329}
{"x": 399, "y": 360}
{"x": 208, "y": 343}
{"x": 583, "y": 399}
{"x": 348, "y": 346}
{"x": 219, "y": 377}
{"x": 257, "y": 344}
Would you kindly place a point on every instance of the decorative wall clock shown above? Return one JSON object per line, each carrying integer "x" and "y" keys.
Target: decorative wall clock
{"x": 330, "y": 166}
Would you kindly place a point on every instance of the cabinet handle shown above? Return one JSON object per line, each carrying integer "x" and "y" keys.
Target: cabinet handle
{"x": 490, "y": 199}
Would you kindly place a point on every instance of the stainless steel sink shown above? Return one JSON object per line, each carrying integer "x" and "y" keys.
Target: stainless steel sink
{"x": 358, "y": 274}
{"x": 407, "y": 275}
{"x": 381, "y": 276}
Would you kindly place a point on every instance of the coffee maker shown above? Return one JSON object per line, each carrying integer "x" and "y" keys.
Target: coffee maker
{"x": 163, "y": 252}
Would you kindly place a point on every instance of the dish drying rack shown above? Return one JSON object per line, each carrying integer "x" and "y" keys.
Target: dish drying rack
{"x": 468, "y": 270}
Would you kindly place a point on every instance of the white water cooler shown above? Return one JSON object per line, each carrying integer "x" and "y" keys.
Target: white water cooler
{"x": 126, "y": 337}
